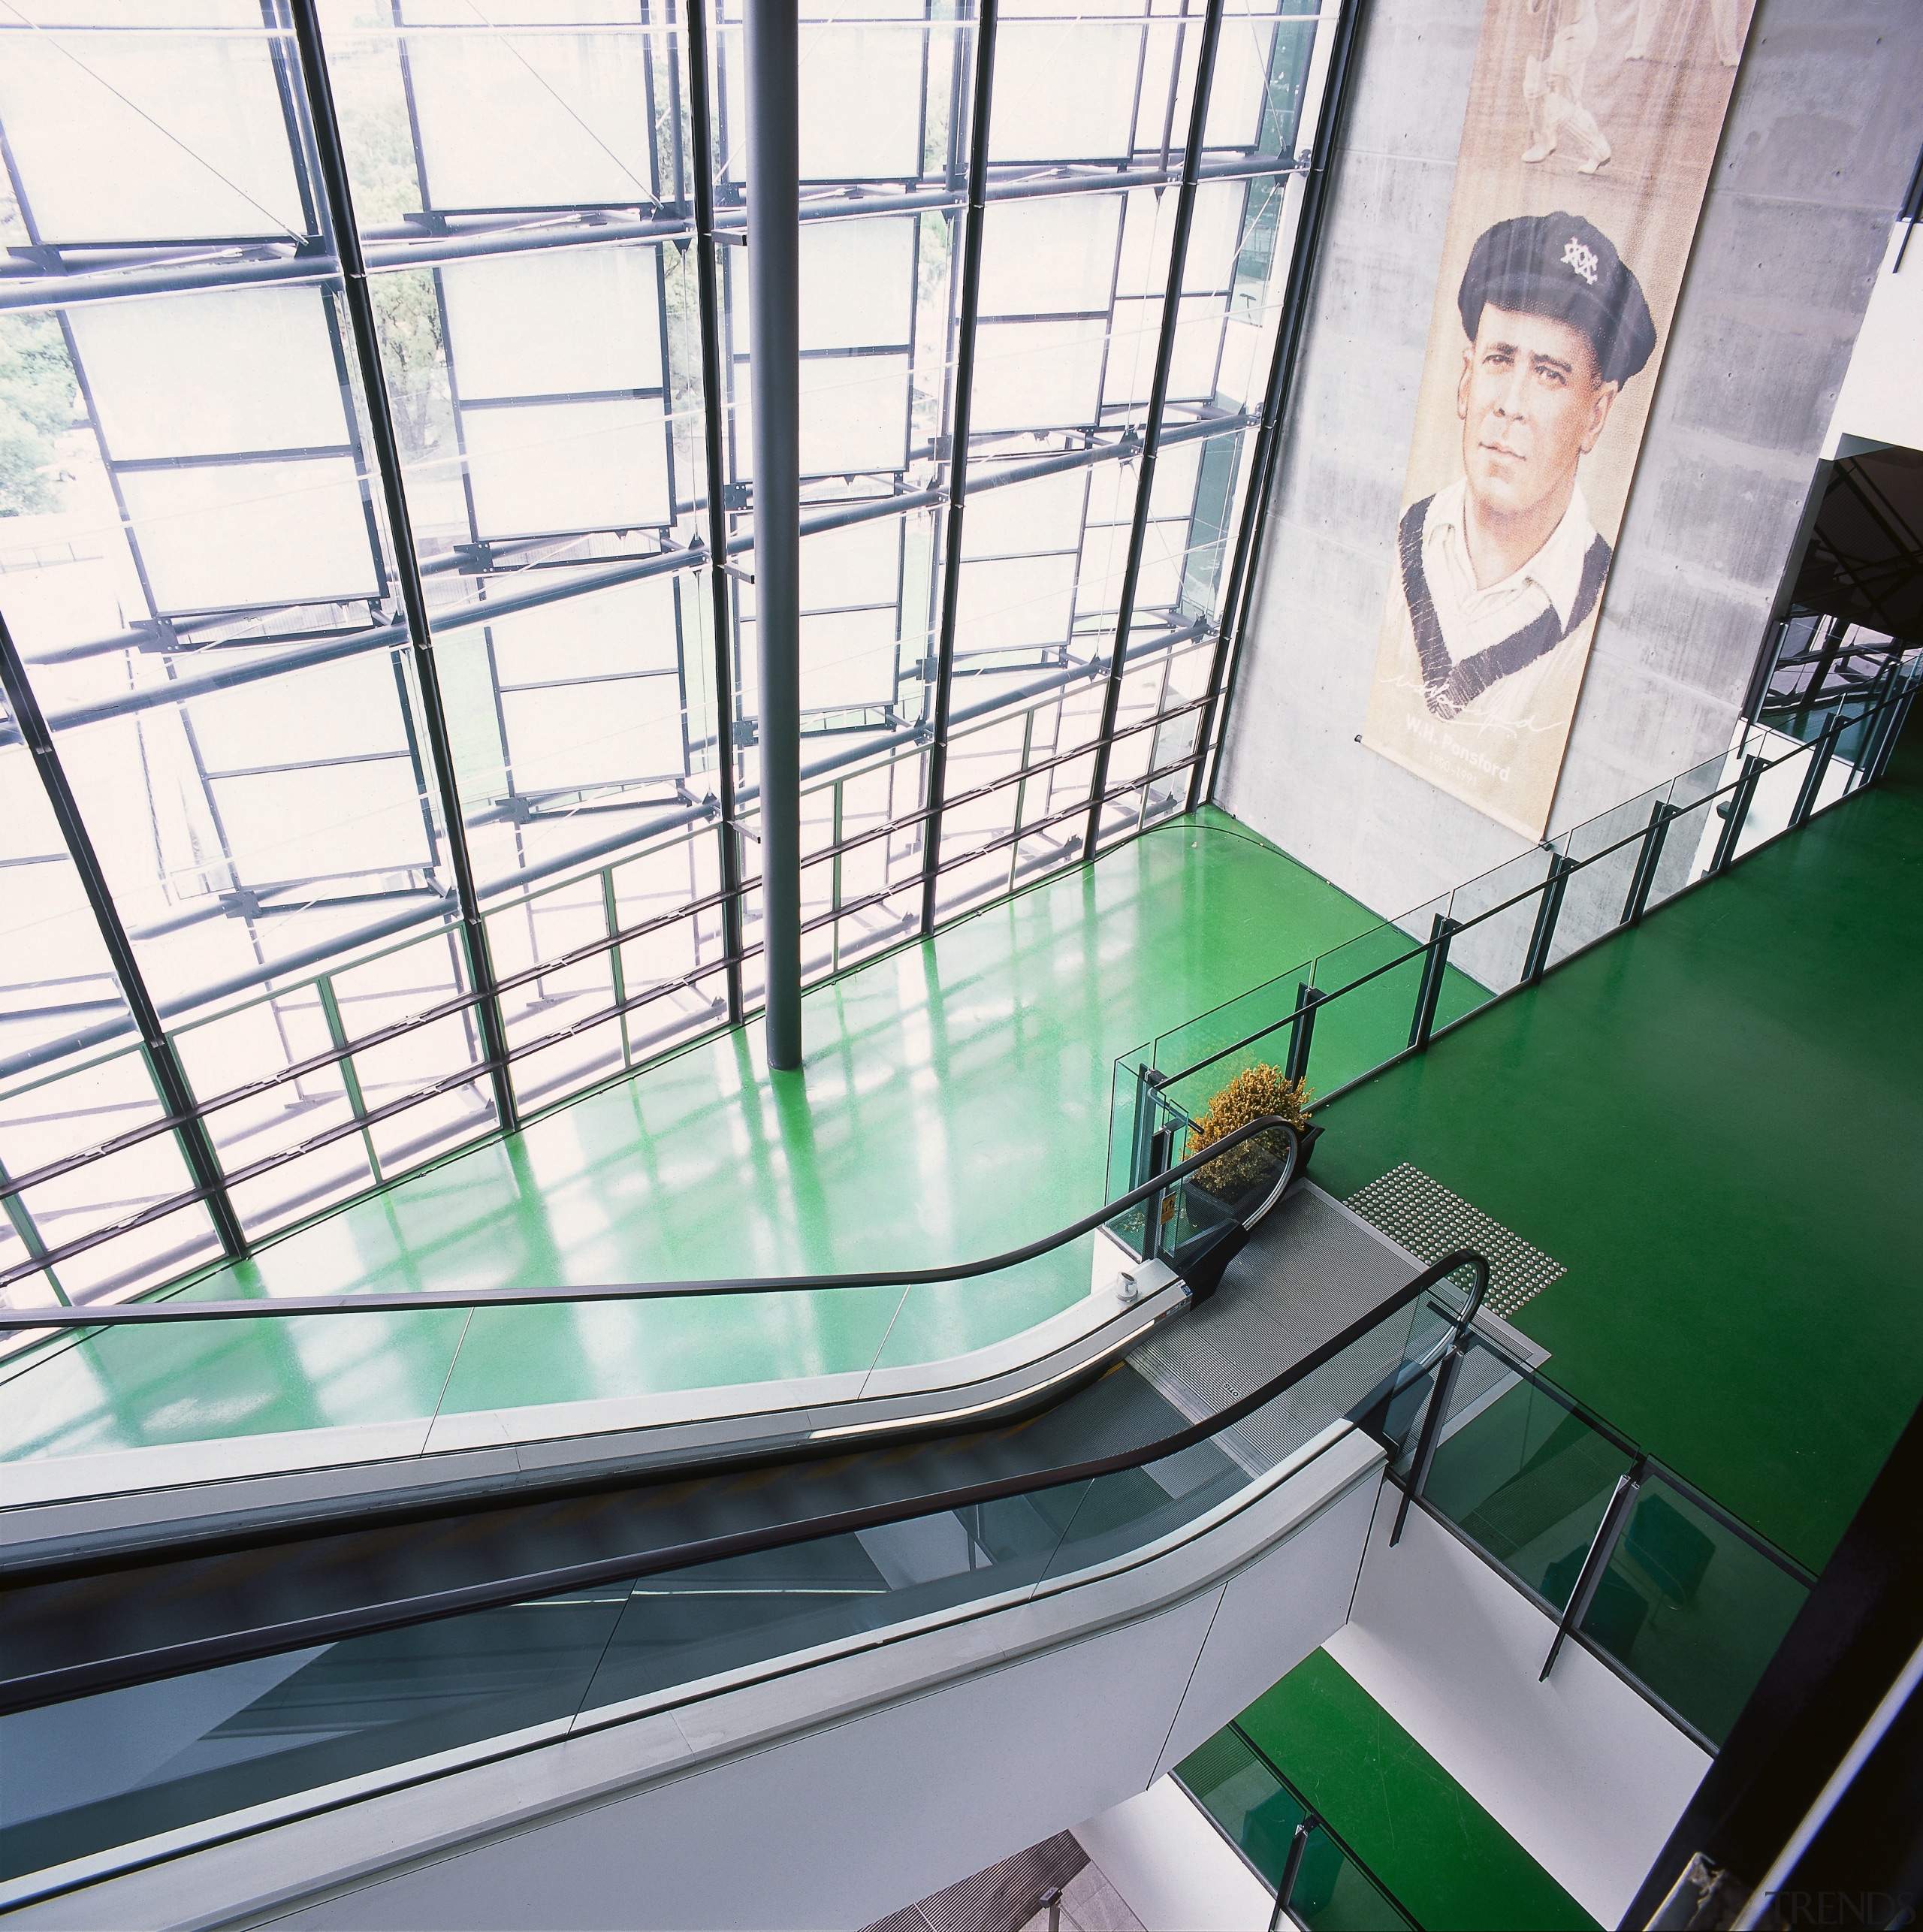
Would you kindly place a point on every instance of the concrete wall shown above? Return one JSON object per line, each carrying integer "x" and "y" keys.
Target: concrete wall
{"x": 1882, "y": 395}
{"x": 1823, "y": 134}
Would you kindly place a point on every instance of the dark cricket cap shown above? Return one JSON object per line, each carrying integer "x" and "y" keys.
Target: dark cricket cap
{"x": 1561, "y": 266}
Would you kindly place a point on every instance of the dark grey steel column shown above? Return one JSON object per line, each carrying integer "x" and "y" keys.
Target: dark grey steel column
{"x": 705, "y": 281}
{"x": 775, "y": 337}
{"x": 1151, "y": 431}
{"x": 196, "y": 1143}
{"x": 338, "y": 208}
{"x": 957, "y": 487}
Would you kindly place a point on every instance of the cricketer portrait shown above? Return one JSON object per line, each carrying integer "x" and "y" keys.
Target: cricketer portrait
{"x": 1585, "y": 153}
{"x": 1500, "y": 568}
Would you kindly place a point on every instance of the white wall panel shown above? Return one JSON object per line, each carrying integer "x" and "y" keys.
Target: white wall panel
{"x": 1587, "y": 1775}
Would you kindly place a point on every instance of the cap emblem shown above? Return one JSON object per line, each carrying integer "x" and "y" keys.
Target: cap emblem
{"x": 1582, "y": 260}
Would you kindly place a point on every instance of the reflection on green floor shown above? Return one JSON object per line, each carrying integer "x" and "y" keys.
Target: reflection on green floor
{"x": 1714, "y": 1122}
{"x": 1439, "y": 1853}
{"x": 954, "y": 1103}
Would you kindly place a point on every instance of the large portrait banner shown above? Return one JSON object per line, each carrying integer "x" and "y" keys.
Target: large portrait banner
{"x": 1585, "y": 152}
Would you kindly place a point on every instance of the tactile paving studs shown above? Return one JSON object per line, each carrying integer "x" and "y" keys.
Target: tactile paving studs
{"x": 1424, "y": 1217}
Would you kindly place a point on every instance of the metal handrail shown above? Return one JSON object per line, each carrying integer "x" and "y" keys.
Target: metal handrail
{"x": 1416, "y": 948}
{"x": 1314, "y": 1818}
{"x": 1565, "y": 868}
{"x": 1654, "y": 1469}
{"x": 148, "y": 1314}
{"x": 56, "y": 1687}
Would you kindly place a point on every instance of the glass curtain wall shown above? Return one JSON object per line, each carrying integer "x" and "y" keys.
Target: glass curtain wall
{"x": 293, "y": 898}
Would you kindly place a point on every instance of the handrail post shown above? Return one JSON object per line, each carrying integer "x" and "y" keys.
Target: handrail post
{"x": 1159, "y": 1146}
{"x": 1738, "y": 809}
{"x": 1600, "y": 1550}
{"x": 1436, "y": 961}
{"x": 1292, "y": 1869}
{"x": 1900, "y": 716}
{"x": 1147, "y": 1082}
{"x": 1536, "y": 961}
{"x": 1882, "y": 739}
{"x": 1820, "y": 754}
{"x": 350, "y": 1077}
{"x": 1647, "y": 859}
{"x": 1875, "y": 721}
{"x": 1302, "y": 1031}
{"x": 1447, "y": 1370}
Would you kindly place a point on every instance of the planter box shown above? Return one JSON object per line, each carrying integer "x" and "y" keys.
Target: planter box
{"x": 1207, "y": 1211}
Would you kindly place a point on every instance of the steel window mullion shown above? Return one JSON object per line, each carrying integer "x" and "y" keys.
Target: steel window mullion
{"x": 169, "y": 1077}
{"x": 709, "y": 296}
{"x": 339, "y": 210}
{"x": 1331, "y": 112}
{"x": 128, "y": 525}
{"x": 392, "y": 1108}
{"x": 1253, "y": 505}
{"x": 1175, "y": 84}
{"x": 338, "y": 351}
{"x": 350, "y": 1077}
{"x": 274, "y": 16}
{"x": 1138, "y": 530}
{"x": 167, "y": 277}
{"x": 82, "y": 1244}
{"x": 327, "y": 648}
{"x": 1021, "y": 788}
{"x": 964, "y": 375}
{"x": 415, "y": 764}
{"x": 21, "y": 1217}
{"x": 455, "y": 1008}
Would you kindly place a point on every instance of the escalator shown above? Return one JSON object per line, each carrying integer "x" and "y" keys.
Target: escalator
{"x": 155, "y": 1694}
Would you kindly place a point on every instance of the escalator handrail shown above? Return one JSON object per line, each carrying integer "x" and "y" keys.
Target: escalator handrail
{"x": 140, "y": 1314}
{"x": 57, "y": 1686}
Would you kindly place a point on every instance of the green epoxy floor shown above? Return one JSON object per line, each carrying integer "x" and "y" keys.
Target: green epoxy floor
{"x": 1715, "y": 1123}
{"x": 1441, "y": 1854}
{"x": 955, "y": 1102}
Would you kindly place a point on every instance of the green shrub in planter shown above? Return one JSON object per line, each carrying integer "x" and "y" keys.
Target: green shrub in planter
{"x": 1252, "y": 1093}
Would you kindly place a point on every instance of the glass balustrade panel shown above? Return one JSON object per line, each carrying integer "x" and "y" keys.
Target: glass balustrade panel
{"x": 204, "y": 1400}
{"x": 1777, "y": 787}
{"x": 1691, "y": 1607}
{"x": 1524, "y": 1478}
